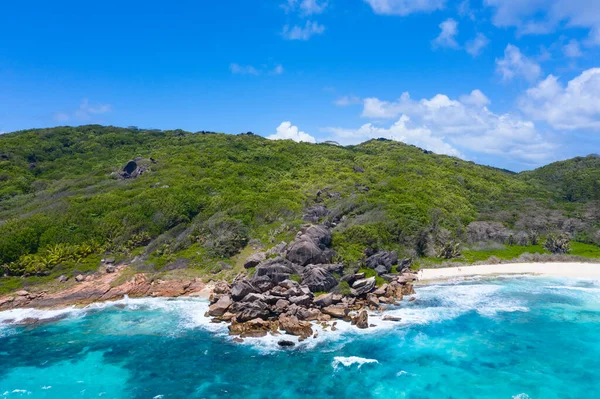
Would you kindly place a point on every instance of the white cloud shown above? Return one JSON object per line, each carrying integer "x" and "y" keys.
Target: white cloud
{"x": 515, "y": 64}
{"x": 447, "y": 36}
{"x": 84, "y": 113}
{"x": 574, "y": 107}
{"x": 278, "y": 70}
{"x": 305, "y": 7}
{"x": 545, "y": 16}
{"x": 286, "y": 131}
{"x": 238, "y": 69}
{"x": 303, "y": 32}
{"x": 476, "y": 45}
{"x": 449, "y": 126}
{"x": 347, "y": 100}
{"x": 572, "y": 49}
{"x": 405, "y": 7}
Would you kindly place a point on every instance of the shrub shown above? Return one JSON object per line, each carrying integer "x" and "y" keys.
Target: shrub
{"x": 558, "y": 243}
{"x": 449, "y": 250}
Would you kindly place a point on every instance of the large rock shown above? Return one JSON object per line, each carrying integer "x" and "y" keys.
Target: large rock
{"x": 303, "y": 300}
{"x": 382, "y": 262}
{"x": 293, "y": 326}
{"x": 263, "y": 283}
{"x": 362, "y": 287}
{"x": 252, "y": 328}
{"x": 220, "y": 307}
{"x": 245, "y": 311}
{"x": 277, "y": 250}
{"x": 304, "y": 251}
{"x": 351, "y": 278}
{"x": 254, "y": 259}
{"x": 315, "y": 213}
{"x": 323, "y": 300}
{"x": 242, "y": 288}
{"x": 318, "y": 279}
{"x": 338, "y": 311}
{"x": 277, "y": 269}
{"x": 362, "y": 320}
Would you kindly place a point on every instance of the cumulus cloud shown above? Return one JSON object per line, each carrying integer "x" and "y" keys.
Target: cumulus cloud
{"x": 238, "y": 69}
{"x": 476, "y": 45}
{"x": 84, "y": 113}
{"x": 515, "y": 64}
{"x": 278, "y": 70}
{"x": 449, "y": 126}
{"x": 545, "y": 16}
{"x": 575, "y": 106}
{"x": 447, "y": 36}
{"x": 405, "y": 7}
{"x": 345, "y": 101}
{"x": 286, "y": 131}
{"x": 305, "y": 32}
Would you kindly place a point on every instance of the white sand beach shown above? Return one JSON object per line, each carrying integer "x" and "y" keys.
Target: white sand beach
{"x": 566, "y": 269}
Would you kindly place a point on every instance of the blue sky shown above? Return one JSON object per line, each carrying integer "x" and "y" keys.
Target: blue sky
{"x": 510, "y": 83}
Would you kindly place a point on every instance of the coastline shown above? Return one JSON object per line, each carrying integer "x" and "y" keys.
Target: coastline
{"x": 566, "y": 269}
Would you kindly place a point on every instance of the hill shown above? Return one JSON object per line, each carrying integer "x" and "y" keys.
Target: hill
{"x": 196, "y": 200}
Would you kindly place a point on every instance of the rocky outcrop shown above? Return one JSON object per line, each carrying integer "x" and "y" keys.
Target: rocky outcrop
{"x": 272, "y": 300}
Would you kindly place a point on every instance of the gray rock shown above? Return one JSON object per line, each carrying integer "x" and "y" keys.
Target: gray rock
{"x": 79, "y": 278}
{"x": 110, "y": 268}
{"x": 286, "y": 344}
{"x": 351, "y": 278}
{"x": 254, "y": 259}
{"x": 315, "y": 213}
{"x": 278, "y": 249}
{"x": 382, "y": 262}
{"x": 63, "y": 279}
{"x": 362, "y": 287}
{"x": 242, "y": 288}
{"x": 303, "y": 300}
{"x": 253, "y": 297}
{"x": 263, "y": 283}
{"x": 281, "y": 306}
{"x": 318, "y": 279}
{"x": 245, "y": 311}
{"x": 220, "y": 307}
{"x": 277, "y": 269}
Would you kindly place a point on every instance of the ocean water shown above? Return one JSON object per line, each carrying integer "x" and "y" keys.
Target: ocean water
{"x": 518, "y": 337}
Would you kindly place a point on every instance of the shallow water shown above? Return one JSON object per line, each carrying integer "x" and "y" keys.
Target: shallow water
{"x": 520, "y": 338}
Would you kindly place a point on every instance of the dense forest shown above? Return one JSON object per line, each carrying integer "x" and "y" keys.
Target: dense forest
{"x": 71, "y": 195}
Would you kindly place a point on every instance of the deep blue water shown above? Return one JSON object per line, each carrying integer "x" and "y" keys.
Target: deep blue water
{"x": 502, "y": 338}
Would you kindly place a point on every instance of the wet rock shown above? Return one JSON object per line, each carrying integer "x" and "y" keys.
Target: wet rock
{"x": 252, "y": 328}
{"x": 362, "y": 287}
{"x": 220, "y": 307}
{"x": 293, "y": 326}
{"x": 241, "y": 289}
{"x": 391, "y": 318}
{"x": 318, "y": 279}
{"x": 408, "y": 289}
{"x": 362, "y": 320}
{"x": 286, "y": 344}
{"x": 254, "y": 259}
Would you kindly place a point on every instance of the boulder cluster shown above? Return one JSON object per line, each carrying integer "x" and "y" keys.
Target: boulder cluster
{"x": 280, "y": 295}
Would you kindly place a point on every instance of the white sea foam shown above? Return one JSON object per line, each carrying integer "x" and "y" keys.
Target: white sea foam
{"x": 349, "y": 361}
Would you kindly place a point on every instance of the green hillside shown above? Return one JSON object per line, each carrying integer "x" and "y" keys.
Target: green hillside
{"x": 204, "y": 197}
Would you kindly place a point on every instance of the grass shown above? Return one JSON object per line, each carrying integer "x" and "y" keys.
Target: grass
{"x": 510, "y": 252}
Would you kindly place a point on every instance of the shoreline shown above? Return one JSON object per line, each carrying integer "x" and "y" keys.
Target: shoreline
{"x": 556, "y": 269}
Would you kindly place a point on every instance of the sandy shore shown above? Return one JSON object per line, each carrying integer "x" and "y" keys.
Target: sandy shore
{"x": 582, "y": 270}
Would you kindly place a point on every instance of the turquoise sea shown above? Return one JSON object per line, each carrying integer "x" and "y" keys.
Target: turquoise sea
{"x": 514, "y": 337}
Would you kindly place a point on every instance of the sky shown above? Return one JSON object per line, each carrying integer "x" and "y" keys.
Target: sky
{"x": 509, "y": 83}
